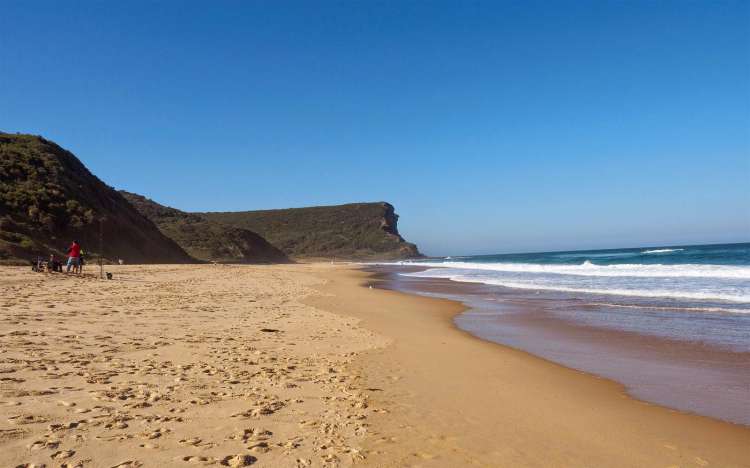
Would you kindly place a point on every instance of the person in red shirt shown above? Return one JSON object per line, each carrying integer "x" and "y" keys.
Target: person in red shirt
{"x": 74, "y": 256}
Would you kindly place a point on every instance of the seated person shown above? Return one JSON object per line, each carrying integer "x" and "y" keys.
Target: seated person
{"x": 53, "y": 264}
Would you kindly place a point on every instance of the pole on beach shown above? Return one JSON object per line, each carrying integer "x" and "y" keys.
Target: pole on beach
{"x": 101, "y": 248}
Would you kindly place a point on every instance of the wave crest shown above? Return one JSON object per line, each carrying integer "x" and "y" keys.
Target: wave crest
{"x": 587, "y": 268}
{"x": 608, "y": 288}
{"x": 656, "y": 251}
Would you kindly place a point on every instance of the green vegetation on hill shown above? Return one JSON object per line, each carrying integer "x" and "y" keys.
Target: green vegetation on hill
{"x": 355, "y": 231}
{"x": 205, "y": 239}
{"x": 48, "y": 198}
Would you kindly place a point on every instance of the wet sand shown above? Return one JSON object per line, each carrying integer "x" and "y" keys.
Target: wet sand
{"x": 687, "y": 374}
{"x": 455, "y": 400}
{"x": 298, "y": 365}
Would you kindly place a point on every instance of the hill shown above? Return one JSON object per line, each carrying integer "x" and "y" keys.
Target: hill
{"x": 354, "y": 231}
{"x": 48, "y": 197}
{"x": 206, "y": 239}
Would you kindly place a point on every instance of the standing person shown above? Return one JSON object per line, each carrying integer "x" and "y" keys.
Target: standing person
{"x": 74, "y": 256}
{"x": 80, "y": 263}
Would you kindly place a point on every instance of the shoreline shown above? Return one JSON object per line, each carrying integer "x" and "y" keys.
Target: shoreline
{"x": 572, "y": 418}
{"x": 680, "y": 375}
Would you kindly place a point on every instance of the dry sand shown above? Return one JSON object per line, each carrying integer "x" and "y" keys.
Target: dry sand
{"x": 172, "y": 365}
{"x": 300, "y": 366}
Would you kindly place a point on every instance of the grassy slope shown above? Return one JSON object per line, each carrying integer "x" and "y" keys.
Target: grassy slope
{"x": 48, "y": 197}
{"x": 205, "y": 239}
{"x": 357, "y": 230}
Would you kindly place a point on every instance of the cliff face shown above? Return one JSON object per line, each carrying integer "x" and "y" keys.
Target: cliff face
{"x": 353, "y": 231}
{"x": 205, "y": 239}
{"x": 48, "y": 198}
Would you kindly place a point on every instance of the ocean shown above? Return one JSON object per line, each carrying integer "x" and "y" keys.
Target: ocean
{"x": 671, "y": 323}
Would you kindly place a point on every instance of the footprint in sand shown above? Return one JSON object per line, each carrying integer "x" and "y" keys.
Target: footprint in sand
{"x": 63, "y": 454}
{"x": 198, "y": 459}
{"x": 116, "y": 425}
{"x": 253, "y": 434}
{"x": 42, "y": 444}
{"x": 194, "y": 441}
{"x": 155, "y": 434}
{"x": 27, "y": 419}
{"x": 238, "y": 460}
{"x": 260, "y": 447}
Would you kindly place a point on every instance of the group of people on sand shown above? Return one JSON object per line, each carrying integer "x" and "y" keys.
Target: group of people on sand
{"x": 75, "y": 261}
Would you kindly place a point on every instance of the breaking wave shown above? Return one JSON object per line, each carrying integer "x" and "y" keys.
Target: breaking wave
{"x": 631, "y": 289}
{"x": 587, "y": 268}
{"x": 712, "y": 277}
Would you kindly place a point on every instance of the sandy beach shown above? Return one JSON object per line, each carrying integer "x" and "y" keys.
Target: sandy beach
{"x": 300, "y": 365}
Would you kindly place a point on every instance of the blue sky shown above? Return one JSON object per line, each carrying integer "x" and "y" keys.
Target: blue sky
{"x": 491, "y": 126}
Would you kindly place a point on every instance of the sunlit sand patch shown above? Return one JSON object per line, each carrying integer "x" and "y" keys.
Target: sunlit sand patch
{"x": 154, "y": 365}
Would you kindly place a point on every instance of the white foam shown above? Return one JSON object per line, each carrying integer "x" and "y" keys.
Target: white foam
{"x": 590, "y": 269}
{"x": 610, "y": 291}
{"x": 674, "y": 308}
{"x": 661, "y": 251}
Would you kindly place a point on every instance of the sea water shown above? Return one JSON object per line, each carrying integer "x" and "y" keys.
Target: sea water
{"x": 707, "y": 277}
{"x": 672, "y": 323}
